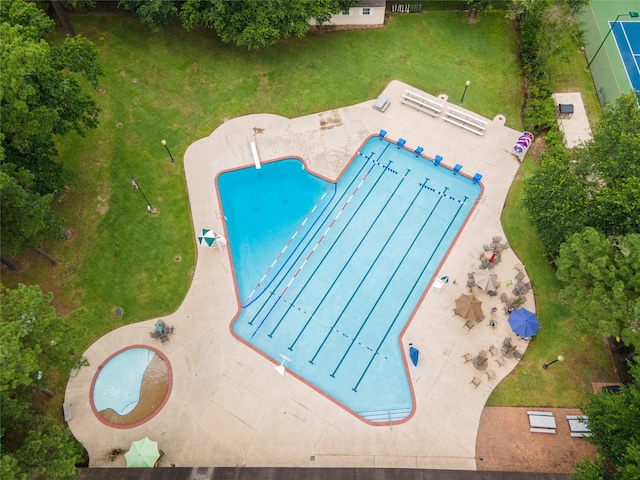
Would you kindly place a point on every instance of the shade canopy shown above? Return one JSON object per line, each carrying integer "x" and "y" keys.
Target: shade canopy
{"x": 485, "y": 279}
{"x": 524, "y": 323}
{"x": 468, "y": 306}
{"x": 143, "y": 453}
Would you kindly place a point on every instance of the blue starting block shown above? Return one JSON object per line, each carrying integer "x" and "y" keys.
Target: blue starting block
{"x": 437, "y": 160}
{"x": 457, "y": 168}
{"x": 401, "y": 142}
{"x": 418, "y": 150}
{"x": 477, "y": 177}
{"x": 383, "y": 133}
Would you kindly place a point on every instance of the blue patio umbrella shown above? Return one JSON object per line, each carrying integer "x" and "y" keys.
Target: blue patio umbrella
{"x": 413, "y": 354}
{"x": 524, "y": 323}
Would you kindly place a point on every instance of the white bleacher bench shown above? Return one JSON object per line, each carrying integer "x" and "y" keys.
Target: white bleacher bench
{"x": 382, "y": 102}
{"x": 66, "y": 408}
{"x": 421, "y": 103}
{"x": 542, "y": 430}
{"x": 544, "y": 414}
{"x": 465, "y": 121}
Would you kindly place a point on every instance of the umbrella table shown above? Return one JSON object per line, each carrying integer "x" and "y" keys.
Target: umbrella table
{"x": 143, "y": 453}
{"x": 524, "y": 323}
{"x": 207, "y": 237}
{"x": 485, "y": 280}
{"x": 468, "y": 306}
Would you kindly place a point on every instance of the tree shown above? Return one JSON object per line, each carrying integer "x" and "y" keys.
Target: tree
{"x": 26, "y": 217}
{"x": 41, "y": 96}
{"x": 555, "y": 200}
{"x": 609, "y": 167}
{"x": 36, "y": 346}
{"x": 156, "y": 14}
{"x": 597, "y": 185}
{"x": 257, "y": 23}
{"x": 614, "y": 420}
{"x": 603, "y": 276}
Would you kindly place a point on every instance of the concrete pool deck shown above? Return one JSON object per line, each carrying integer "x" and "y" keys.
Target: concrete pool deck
{"x": 228, "y": 407}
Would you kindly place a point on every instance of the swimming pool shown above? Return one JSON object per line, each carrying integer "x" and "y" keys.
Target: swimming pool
{"x": 130, "y": 386}
{"x": 329, "y": 274}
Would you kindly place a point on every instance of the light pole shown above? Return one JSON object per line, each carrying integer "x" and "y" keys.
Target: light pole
{"x": 559, "y": 359}
{"x": 150, "y": 209}
{"x": 466, "y": 85}
{"x": 164, "y": 142}
{"x": 630, "y": 14}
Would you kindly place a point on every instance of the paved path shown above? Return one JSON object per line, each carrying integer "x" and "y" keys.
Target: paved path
{"x": 576, "y": 129}
{"x": 228, "y": 406}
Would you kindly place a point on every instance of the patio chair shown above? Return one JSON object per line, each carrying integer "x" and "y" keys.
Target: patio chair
{"x": 155, "y": 334}
{"x": 493, "y": 350}
{"x": 497, "y": 239}
{"x": 470, "y": 275}
{"x": 470, "y": 324}
{"x": 471, "y": 283}
{"x": 486, "y": 247}
{"x": 506, "y": 342}
{"x": 500, "y": 361}
{"x": 168, "y": 330}
{"x": 491, "y": 375}
{"x": 480, "y": 318}
{"x": 164, "y": 338}
{"x": 504, "y": 298}
{"x": 467, "y": 357}
{"x": 476, "y": 381}
{"x": 161, "y": 323}
{"x": 505, "y": 245}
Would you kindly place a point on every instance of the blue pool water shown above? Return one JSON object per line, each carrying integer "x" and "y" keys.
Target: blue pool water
{"x": 120, "y": 380}
{"x": 330, "y": 274}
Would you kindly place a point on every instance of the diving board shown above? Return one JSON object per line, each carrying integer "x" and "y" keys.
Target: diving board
{"x": 254, "y": 152}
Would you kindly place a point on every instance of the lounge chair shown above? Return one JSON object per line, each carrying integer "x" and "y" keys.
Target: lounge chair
{"x": 519, "y": 276}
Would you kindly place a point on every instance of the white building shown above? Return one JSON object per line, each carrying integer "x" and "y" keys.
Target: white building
{"x": 368, "y": 13}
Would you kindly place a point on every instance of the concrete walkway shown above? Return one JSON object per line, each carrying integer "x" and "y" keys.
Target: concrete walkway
{"x": 576, "y": 129}
{"x": 228, "y": 407}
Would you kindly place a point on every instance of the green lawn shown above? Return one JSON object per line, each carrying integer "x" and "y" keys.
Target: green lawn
{"x": 180, "y": 86}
